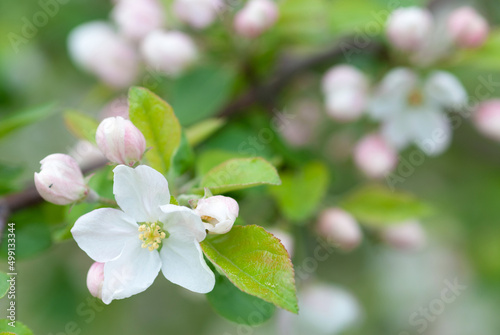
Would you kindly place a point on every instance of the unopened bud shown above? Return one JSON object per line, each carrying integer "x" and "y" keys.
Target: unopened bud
{"x": 342, "y": 76}
{"x": 340, "y": 228}
{"x": 136, "y": 18}
{"x": 95, "y": 279}
{"x": 198, "y": 13}
{"x": 120, "y": 141}
{"x": 374, "y": 157}
{"x": 218, "y": 213}
{"x": 60, "y": 180}
{"x": 169, "y": 52}
{"x": 408, "y": 235}
{"x": 468, "y": 28}
{"x": 346, "y": 104}
{"x": 487, "y": 118}
{"x": 256, "y": 17}
{"x": 409, "y": 28}
{"x": 97, "y": 49}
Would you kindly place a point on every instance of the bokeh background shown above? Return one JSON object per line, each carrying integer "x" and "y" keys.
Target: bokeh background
{"x": 462, "y": 185}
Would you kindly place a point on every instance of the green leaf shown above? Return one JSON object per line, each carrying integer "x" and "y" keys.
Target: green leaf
{"x": 238, "y": 306}
{"x": 9, "y": 175}
{"x": 19, "y": 328}
{"x": 484, "y": 58}
{"x": 202, "y": 92}
{"x": 23, "y": 118}
{"x": 157, "y": 121}
{"x": 240, "y": 173}
{"x": 200, "y": 131}
{"x": 209, "y": 159}
{"x": 256, "y": 262}
{"x": 80, "y": 125}
{"x": 378, "y": 206}
{"x": 183, "y": 157}
{"x": 301, "y": 192}
{"x": 4, "y": 284}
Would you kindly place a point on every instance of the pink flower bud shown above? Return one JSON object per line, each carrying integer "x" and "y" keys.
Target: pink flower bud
{"x": 218, "y": 213}
{"x": 409, "y": 28}
{"x": 343, "y": 76}
{"x": 169, "y": 52}
{"x": 487, "y": 118}
{"x": 136, "y": 18}
{"x": 60, "y": 180}
{"x": 198, "y": 13}
{"x": 468, "y": 28}
{"x": 120, "y": 141}
{"x": 256, "y": 17}
{"x": 340, "y": 228}
{"x": 95, "y": 279}
{"x": 346, "y": 104}
{"x": 285, "y": 238}
{"x": 375, "y": 157}
{"x": 97, "y": 49}
{"x": 408, "y": 235}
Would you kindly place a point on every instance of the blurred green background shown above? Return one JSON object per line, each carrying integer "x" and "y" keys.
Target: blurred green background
{"x": 463, "y": 185}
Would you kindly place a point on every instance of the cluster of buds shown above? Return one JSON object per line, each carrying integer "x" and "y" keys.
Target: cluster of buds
{"x": 255, "y": 17}
{"x": 414, "y": 29}
{"x": 346, "y": 92}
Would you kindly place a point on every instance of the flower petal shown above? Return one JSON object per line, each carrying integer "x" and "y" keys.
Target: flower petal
{"x": 182, "y": 221}
{"x": 103, "y": 233}
{"x": 140, "y": 192}
{"x": 183, "y": 264}
{"x": 446, "y": 89}
{"x": 397, "y": 131}
{"x": 432, "y": 131}
{"x": 133, "y": 272}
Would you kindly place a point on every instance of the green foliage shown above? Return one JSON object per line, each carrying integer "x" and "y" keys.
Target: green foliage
{"x": 184, "y": 156}
{"x": 24, "y": 118}
{"x": 19, "y": 328}
{"x": 202, "y": 130}
{"x": 209, "y": 159}
{"x": 80, "y": 125}
{"x": 4, "y": 284}
{"x": 301, "y": 192}
{"x": 238, "y": 306}
{"x": 240, "y": 173}
{"x": 256, "y": 262}
{"x": 202, "y": 92}
{"x": 486, "y": 58}
{"x": 157, "y": 121}
{"x": 378, "y": 206}
{"x": 8, "y": 178}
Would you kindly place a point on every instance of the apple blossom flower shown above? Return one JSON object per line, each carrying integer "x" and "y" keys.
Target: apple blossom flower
{"x": 60, "y": 180}
{"x": 136, "y": 18}
{"x": 120, "y": 141}
{"x": 408, "y": 28}
{"x": 198, "y": 13}
{"x": 346, "y": 89}
{"x": 414, "y": 112}
{"x": 95, "y": 279}
{"x": 340, "y": 228}
{"x": 324, "y": 309}
{"x": 218, "y": 213}
{"x": 407, "y": 235}
{"x": 147, "y": 235}
{"x": 374, "y": 156}
{"x": 487, "y": 118}
{"x": 169, "y": 52}
{"x": 467, "y": 27}
{"x": 256, "y": 17}
{"x": 97, "y": 49}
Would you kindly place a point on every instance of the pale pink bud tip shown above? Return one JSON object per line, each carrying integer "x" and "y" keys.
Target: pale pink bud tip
{"x": 218, "y": 213}
{"x": 340, "y": 228}
{"x": 408, "y": 235}
{"x": 169, "y": 52}
{"x": 467, "y": 27}
{"x": 120, "y": 141}
{"x": 408, "y": 28}
{"x": 60, "y": 180}
{"x": 487, "y": 118}
{"x": 136, "y": 18}
{"x": 256, "y": 17}
{"x": 95, "y": 279}
{"x": 374, "y": 157}
{"x": 198, "y": 13}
